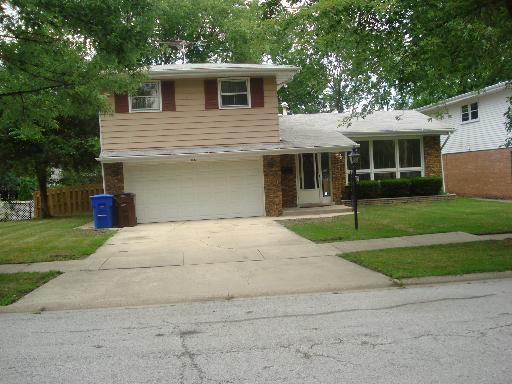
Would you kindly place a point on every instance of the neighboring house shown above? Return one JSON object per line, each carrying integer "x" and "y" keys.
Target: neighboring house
{"x": 201, "y": 141}
{"x": 476, "y": 162}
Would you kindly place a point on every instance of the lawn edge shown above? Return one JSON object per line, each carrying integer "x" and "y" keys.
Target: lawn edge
{"x": 453, "y": 278}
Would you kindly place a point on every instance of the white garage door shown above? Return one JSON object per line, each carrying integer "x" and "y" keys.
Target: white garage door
{"x": 196, "y": 190}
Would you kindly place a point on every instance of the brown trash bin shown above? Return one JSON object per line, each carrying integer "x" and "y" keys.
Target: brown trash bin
{"x": 125, "y": 210}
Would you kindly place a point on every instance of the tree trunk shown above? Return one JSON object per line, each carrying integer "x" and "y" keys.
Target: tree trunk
{"x": 42, "y": 180}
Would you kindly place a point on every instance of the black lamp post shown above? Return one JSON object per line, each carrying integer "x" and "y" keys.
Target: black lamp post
{"x": 354, "y": 160}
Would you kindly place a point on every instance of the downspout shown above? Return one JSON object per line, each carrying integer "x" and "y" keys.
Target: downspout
{"x": 442, "y": 162}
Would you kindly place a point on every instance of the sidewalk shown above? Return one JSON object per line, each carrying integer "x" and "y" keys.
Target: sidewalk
{"x": 413, "y": 241}
{"x": 98, "y": 263}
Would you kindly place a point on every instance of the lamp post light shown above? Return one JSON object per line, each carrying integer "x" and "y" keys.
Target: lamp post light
{"x": 354, "y": 160}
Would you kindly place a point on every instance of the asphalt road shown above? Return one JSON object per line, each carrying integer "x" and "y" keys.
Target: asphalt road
{"x": 456, "y": 333}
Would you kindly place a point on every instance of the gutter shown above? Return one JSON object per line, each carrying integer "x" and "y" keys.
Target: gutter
{"x": 196, "y": 156}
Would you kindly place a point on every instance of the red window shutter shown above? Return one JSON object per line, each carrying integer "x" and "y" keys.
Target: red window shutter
{"x": 257, "y": 93}
{"x": 211, "y": 98}
{"x": 121, "y": 103}
{"x": 168, "y": 96}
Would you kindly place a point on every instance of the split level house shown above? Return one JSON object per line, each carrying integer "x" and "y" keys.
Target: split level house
{"x": 201, "y": 141}
{"x": 476, "y": 161}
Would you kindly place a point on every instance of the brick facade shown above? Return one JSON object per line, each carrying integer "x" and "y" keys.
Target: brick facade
{"x": 338, "y": 176}
{"x": 272, "y": 181}
{"x": 479, "y": 173}
{"x": 113, "y": 175}
{"x": 288, "y": 181}
{"x": 432, "y": 155}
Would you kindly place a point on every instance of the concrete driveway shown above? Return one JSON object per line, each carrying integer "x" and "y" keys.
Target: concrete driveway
{"x": 200, "y": 260}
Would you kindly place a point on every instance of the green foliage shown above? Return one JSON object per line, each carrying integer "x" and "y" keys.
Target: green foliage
{"x": 379, "y": 54}
{"x": 395, "y": 187}
{"x": 426, "y": 186}
{"x": 40, "y": 240}
{"x": 14, "y": 286}
{"x": 366, "y": 189}
{"x": 27, "y": 186}
{"x": 214, "y": 31}
{"x": 71, "y": 177}
{"x": 438, "y": 260}
{"x": 391, "y": 220}
{"x": 403, "y": 187}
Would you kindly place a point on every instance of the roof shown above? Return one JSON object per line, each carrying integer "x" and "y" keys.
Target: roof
{"x": 379, "y": 123}
{"x": 283, "y": 73}
{"x": 292, "y": 141}
{"x": 465, "y": 96}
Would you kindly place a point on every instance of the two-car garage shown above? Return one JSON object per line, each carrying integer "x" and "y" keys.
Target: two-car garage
{"x": 194, "y": 189}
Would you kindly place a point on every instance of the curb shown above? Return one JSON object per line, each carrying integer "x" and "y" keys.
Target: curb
{"x": 453, "y": 278}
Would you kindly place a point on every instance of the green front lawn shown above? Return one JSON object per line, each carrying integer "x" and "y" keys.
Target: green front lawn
{"x": 438, "y": 260}
{"x": 461, "y": 214}
{"x": 14, "y": 286}
{"x": 48, "y": 240}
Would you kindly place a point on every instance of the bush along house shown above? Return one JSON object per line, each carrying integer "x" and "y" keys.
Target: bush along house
{"x": 204, "y": 141}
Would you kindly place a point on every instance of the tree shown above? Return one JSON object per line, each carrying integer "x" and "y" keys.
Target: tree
{"x": 403, "y": 54}
{"x": 57, "y": 60}
{"x": 212, "y": 30}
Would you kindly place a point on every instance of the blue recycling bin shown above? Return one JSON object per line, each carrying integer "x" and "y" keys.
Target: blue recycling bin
{"x": 103, "y": 210}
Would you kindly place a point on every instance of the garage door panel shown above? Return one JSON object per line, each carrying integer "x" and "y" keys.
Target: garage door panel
{"x": 199, "y": 190}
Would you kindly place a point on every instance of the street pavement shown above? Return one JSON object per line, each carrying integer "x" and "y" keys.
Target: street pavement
{"x": 450, "y": 333}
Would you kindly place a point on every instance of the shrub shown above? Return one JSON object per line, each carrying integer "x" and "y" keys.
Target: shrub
{"x": 366, "y": 189}
{"x": 426, "y": 186}
{"x": 395, "y": 187}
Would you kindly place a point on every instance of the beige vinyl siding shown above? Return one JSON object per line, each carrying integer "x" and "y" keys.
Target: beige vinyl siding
{"x": 191, "y": 125}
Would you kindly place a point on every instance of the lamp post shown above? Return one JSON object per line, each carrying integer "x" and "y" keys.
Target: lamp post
{"x": 354, "y": 160}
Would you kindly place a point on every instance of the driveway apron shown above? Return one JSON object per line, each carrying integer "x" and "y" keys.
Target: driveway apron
{"x": 200, "y": 260}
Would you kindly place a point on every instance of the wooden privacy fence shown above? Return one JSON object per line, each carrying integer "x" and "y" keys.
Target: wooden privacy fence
{"x": 68, "y": 200}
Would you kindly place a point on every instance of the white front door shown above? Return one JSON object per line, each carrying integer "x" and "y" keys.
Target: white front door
{"x": 314, "y": 179}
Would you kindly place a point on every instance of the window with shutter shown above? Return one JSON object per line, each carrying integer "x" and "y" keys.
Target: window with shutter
{"x": 168, "y": 96}
{"x": 257, "y": 93}
{"x": 211, "y": 100}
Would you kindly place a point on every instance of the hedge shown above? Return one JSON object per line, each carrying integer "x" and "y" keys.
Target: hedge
{"x": 415, "y": 186}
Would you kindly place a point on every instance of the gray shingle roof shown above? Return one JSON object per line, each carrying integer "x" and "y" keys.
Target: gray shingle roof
{"x": 378, "y": 123}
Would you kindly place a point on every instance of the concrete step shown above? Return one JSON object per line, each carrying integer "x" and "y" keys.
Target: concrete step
{"x": 326, "y": 209}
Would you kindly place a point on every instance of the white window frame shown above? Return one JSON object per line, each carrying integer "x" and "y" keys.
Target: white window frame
{"x": 219, "y": 93}
{"x": 468, "y": 105}
{"x": 146, "y": 110}
{"x": 397, "y": 169}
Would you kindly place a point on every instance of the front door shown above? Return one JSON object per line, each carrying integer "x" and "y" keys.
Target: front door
{"x": 314, "y": 179}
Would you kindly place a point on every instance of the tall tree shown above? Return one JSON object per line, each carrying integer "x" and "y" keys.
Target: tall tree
{"x": 212, "y": 31}
{"x": 57, "y": 59}
{"x": 404, "y": 53}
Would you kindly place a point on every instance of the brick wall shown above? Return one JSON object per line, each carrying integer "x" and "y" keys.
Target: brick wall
{"x": 479, "y": 173}
{"x": 338, "y": 176}
{"x": 288, "y": 181}
{"x": 113, "y": 175}
{"x": 432, "y": 155}
{"x": 272, "y": 180}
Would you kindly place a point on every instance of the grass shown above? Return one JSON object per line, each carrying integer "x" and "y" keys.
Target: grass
{"x": 461, "y": 214}
{"x": 14, "y": 286}
{"x": 48, "y": 240}
{"x": 438, "y": 260}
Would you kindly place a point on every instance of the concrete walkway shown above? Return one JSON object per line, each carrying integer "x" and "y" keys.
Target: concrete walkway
{"x": 413, "y": 241}
{"x": 201, "y": 260}
{"x": 126, "y": 251}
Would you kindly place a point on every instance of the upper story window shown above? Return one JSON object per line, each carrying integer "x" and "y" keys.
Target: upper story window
{"x": 469, "y": 112}
{"x": 147, "y": 98}
{"x": 234, "y": 93}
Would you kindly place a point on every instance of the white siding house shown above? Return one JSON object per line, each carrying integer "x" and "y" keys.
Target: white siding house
{"x": 476, "y": 162}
